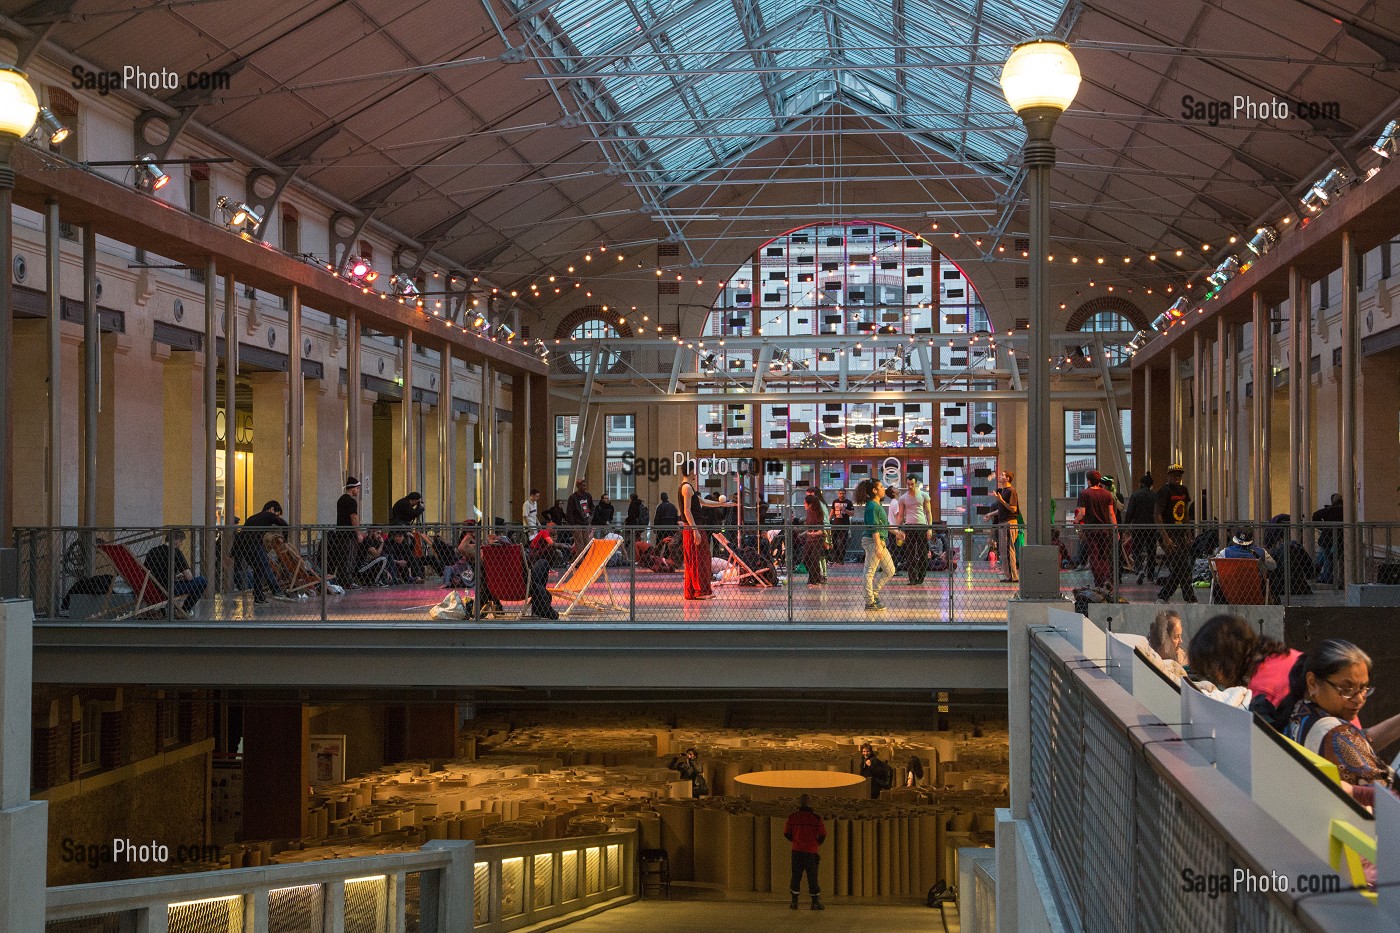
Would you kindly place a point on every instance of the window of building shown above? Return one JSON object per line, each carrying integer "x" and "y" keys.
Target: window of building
{"x": 1107, "y": 321}
{"x": 594, "y": 329}
{"x": 201, "y": 201}
{"x": 565, "y": 437}
{"x": 621, "y": 441}
{"x": 167, "y": 721}
{"x": 1081, "y": 449}
{"x": 291, "y": 230}
{"x": 90, "y": 737}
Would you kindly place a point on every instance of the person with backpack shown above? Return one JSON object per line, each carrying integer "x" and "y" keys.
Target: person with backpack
{"x": 688, "y": 764}
{"x": 879, "y": 772}
{"x": 1335, "y": 683}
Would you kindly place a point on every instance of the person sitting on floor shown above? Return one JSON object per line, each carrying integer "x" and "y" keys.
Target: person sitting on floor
{"x": 372, "y": 564}
{"x": 404, "y": 564}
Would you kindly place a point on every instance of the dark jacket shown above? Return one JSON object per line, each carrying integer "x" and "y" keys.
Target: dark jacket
{"x": 1142, "y": 507}
{"x": 691, "y": 771}
{"x": 405, "y": 512}
{"x": 880, "y": 774}
{"x": 579, "y": 509}
{"x": 603, "y": 514}
{"x": 667, "y": 516}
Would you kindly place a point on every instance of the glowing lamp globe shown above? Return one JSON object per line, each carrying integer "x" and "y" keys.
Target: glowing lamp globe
{"x": 19, "y": 108}
{"x": 1042, "y": 73}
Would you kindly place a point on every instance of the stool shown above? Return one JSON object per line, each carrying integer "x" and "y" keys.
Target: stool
{"x": 655, "y": 869}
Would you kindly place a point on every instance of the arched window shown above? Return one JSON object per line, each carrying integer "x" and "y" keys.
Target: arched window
{"x": 593, "y": 323}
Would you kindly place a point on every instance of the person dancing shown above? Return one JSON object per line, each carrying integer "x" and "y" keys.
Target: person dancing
{"x": 697, "y": 553}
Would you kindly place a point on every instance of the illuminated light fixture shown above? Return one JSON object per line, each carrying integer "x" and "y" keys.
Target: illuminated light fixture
{"x": 18, "y": 106}
{"x": 707, "y": 363}
{"x": 1041, "y": 73}
{"x": 149, "y": 174}
{"x": 239, "y": 213}
{"x": 1387, "y": 142}
{"x": 358, "y": 269}
{"x": 504, "y": 332}
{"x": 1263, "y": 240}
{"x": 1139, "y": 340}
{"x": 1224, "y": 272}
{"x": 1324, "y": 190}
{"x": 1170, "y": 316}
{"x": 479, "y": 321}
{"x": 403, "y": 286}
{"x": 52, "y": 127}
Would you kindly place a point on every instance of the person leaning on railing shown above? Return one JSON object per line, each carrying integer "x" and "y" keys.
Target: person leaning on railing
{"x": 1229, "y": 653}
{"x": 1334, "y": 683}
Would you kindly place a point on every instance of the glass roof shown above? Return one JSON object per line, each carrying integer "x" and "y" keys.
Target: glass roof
{"x": 680, "y": 87}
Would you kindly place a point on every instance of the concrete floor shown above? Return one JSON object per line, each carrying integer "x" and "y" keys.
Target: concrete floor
{"x": 697, "y": 911}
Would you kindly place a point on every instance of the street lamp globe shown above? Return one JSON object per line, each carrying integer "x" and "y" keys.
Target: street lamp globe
{"x": 19, "y": 108}
{"x": 1040, "y": 73}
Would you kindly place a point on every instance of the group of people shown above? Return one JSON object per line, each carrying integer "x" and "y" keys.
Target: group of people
{"x": 1315, "y": 699}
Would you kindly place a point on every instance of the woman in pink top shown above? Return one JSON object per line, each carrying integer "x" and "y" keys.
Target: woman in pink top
{"x": 1228, "y": 652}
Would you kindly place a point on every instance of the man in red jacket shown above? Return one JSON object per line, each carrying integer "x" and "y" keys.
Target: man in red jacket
{"x": 806, "y": 831}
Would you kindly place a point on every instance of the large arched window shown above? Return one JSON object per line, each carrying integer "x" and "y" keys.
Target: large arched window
{"x": 593, "y": 323}
{"x": 902, "y": 300}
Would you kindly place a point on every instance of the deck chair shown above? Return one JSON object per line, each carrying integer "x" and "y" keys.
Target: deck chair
{"x": 149, "y": 593}
{"x": 745, "y": 571}
{"x": 1241, "y": 581}
{"x": 503, "y": 570}
{"x": 586, "y": 568}
{"x": 296, "y": 573}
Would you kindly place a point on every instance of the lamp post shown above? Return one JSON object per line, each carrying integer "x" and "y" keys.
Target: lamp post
{"x": 1039, "y": 80}
{"x": 19, "y": 108}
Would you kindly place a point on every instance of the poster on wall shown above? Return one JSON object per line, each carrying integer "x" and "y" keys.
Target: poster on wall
{"x": 327, "y": 759}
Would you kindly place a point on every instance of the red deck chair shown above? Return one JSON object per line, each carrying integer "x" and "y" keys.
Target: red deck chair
{"x": 503, "y": 566}
{"x": 1242, "y": 581}
{"x": 150, "y": 595}
{"x": 293, "y": 572}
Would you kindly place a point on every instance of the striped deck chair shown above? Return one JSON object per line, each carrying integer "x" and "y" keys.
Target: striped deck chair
{"x": 744, "y": 571}
{"x": 149, "y": 593}
{"x": 583, "y": 572}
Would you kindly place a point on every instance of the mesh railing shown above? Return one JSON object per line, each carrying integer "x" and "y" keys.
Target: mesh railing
{"x": 1300, "y": 563}
{"x": 746, "y": 575}
{"x": 1120, "y": 832}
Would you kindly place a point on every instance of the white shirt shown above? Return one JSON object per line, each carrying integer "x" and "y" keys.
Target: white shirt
{"x": 530, "y": 515}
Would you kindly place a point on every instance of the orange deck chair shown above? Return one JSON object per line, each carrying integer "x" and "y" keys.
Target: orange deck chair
{"x": 583, "y": 572}
{"x": 149, "y": 593}
{"x": 1242, "y": 580}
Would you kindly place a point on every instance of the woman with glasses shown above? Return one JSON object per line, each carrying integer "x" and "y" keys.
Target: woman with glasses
{"x": 1336, "y": 683}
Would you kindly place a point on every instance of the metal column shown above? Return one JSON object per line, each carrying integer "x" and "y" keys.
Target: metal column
{"x": 54, "y": 471}
{"x": 7, "y": 350}
{"x": 92, "y": 375}
{"x": 1174, "y": 455}
{"x": 408, "y": 460}
{"x": 1146, "y": 455}
{"x": 1200, "y": 473}
{"x": 1263, "y": 396}
{"x": 1218, "y": 467}
{"x": 296, "y": 415}
{"x": 231, "y": 503}
{"x": 487, "y": 421}
{"x": 211, "y": 400}
{"x": 521, "y": 421}
{"x": 1351, "y": 360}
{"x": 446, "y": 510}
{"x": 1299, "y": 397}
{"x": 352, "y": 397}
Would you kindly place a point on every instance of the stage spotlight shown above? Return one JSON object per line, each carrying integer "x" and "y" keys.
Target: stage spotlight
{"x": 1324, "y": 190}
{"x": 52, "y": 127}
{"x": 149, "y": 175}
{"x": 707, "y": 363}
{"x": 403, "y": 285}
{"x": 1263, "y": 240}
{"x": 1139, "y": 341}
{"x": 503, "y": 332}
{"x": 238, "y": 213}
{"x": 1224, "y": 272}
{"x": 1383, "y": 147}
{"x": 359, "y": 271}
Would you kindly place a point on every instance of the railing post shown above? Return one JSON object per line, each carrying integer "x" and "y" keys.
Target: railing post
{"x": 950, "y": 567}
{"x": 335, "y": 906}
{"x": 789, "y": 561}
{"x": 632, "y": 579}
{"x": 322, "y": 549}
{"x": 445, "y": 896}
{"x": 169, "y": 581}
{"x": 154, "y": 919}
{"x": 255, "y": 911}
{"x": 1115, "y": 541}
